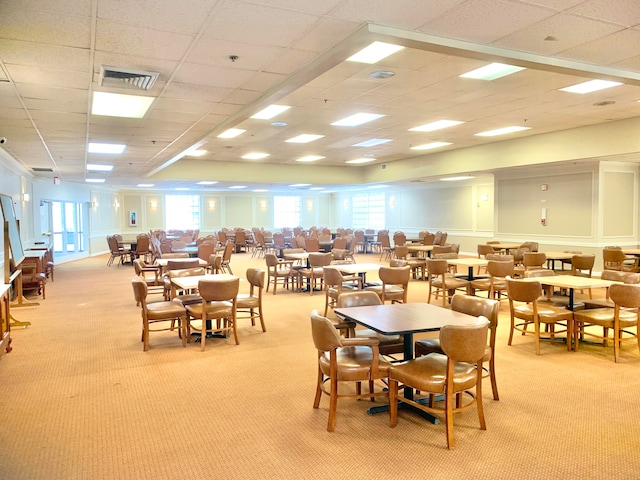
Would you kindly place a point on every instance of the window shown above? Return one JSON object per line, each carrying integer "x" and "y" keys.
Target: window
{"x": 286, "y": 211}
{"x": 368, "y": 211}
{"x": 182, "y": 212}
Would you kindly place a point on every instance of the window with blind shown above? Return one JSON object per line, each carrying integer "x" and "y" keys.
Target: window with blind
{"x": 286, "y": 211}
{"x": 182, "y": 212}
{"x": 368, "y": 211}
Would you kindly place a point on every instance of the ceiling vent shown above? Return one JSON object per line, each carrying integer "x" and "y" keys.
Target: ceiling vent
{"x": 39, "y": 169}
{"x": 127, "y": 78}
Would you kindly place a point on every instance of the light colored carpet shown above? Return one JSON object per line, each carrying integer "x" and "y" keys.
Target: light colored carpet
{"x": 81, "y": 400}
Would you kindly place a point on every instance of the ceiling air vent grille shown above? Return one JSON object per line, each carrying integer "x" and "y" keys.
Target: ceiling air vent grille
{"x": 126, "y": 78}
{"x": 39, "y": 169}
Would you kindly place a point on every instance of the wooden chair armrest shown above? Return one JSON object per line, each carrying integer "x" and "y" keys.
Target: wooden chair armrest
{"x": 360, "y": 341}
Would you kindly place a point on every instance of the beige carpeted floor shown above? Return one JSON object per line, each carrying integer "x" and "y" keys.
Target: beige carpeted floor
{"x": 81, "y": 400}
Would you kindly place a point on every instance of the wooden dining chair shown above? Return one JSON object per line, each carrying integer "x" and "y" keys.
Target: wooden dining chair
{"x": 249, "y": 305}
{"x": 156, "y": 313}
{"x": 353, "y": 360}
{"x": 524, "y": 306}
{"x": 457, "y": 372}
{"x": 219, "y": 303}
{"x": 476, "y": 307}
{"x": 619, "y": 319}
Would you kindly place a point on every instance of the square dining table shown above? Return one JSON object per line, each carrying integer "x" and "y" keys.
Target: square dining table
{"x": 469, "y": 263}
{"x": 191, "y": 283}
{"x": 359, "y": 269}
{"x": 405, "y": 319}
{"x": 420, "y": 249}
{"x": 553, "y": 256}
{"x": 571, "y": 282}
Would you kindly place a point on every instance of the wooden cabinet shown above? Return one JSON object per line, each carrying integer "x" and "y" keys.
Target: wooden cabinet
{"x": 5, "y": 317}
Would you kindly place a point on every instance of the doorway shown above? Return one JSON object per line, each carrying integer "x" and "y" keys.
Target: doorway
{"x": 66, "y": 226}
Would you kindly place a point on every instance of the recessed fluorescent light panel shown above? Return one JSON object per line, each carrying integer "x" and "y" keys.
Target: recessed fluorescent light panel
{"x": 310, "y": 158}
{"x": 360, "y": 160}
{"x": 492, "y": 71}
{"x": 374, "y": 52}
{"x": 430, "y": 146}
{"x": 108, "y": 148}
{"x": 300, "y": 185}
{"x": 119, "y": 105}
{"x": 258, "y": 190}
{"x": 92, "y": 167}
{"x": 304, "y": 138}
{"x": 206, "y": 182}
{"x": 457, "y": 179}
{"x": 590, "y": 86}
{"x": 357, "y": 119}
{"x": 238, "y": 186}
{"x": 440, "y": 124}
{"x": 182, "y": 189}
{"x": 316, "y": 188}
{"x": 255, "y": 156}
{"x": 196, "y": 153}
{"x": 141, "y": 185}
{"x": 231, "y": 133}
{"x": 373, "y": 142}
{"x": 501, "y": 131}
{"x": 94, "y": 180}
{"x": 270, "y": 112}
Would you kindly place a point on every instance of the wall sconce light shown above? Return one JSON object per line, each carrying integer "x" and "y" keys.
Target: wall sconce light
{"x": 309, "y": 204}
{"x": 153, "y": 204}
{"x": 116, "y": 204}
{"x": 25, "y": 197}
{"x": 263, "y": 205}
{"x": 212, "y": 204}
{"x": 392, "y": 202}
{"x": 94, "y": 204}
{"x": 484, "y": 197}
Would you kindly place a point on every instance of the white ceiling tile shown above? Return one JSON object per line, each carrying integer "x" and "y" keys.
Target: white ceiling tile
{"x": 263, "y": 81}
{"x": 403, "y": 13}
{"x": 569, "y": 30}
{"x": 485, "y": 21}
{"x": 607, "y": 50}
{"x": 55, "y": 105}
{"x": 192, "y": 92}
{"x": 142, "y": 42}
{"x": 22, "y": 74}
{"x": 558, "y": 5}
{"x": 177, "y": 105}
{"x": 307, "y": 6}
{"x": 216, "y": 52}
{"x": 46, "y": 92}
{"x": 37, "y": 54}
{"x": 289, "y": 61}
{"x": 622, "y": 12}
{"x": 252, "y": 23}
{"x": 226, "y": 77}
{"x": 35, "y": 24}
{"x": 166, "y": 15}
{"x": 315, "y": 40}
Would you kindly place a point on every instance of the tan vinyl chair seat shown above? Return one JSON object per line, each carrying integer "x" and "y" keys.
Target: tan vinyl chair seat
{"x": 458, "y": 370}
{"x": 344, "y": 360}
{"x": 477, "y": 307}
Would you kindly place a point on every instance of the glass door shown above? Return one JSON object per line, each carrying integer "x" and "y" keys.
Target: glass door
{"x": 67, "y": 228}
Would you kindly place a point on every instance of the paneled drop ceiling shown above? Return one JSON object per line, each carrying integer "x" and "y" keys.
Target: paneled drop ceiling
{"x": 220, "y": 62}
